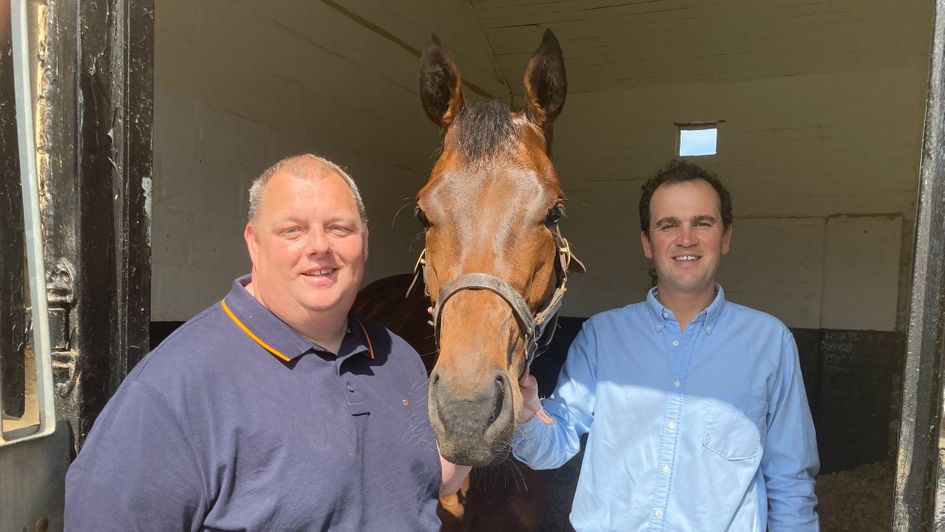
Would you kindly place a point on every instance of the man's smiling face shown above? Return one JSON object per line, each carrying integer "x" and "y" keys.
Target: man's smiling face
{"x": 308, "y": 246}
{"x": 687, "y": 238}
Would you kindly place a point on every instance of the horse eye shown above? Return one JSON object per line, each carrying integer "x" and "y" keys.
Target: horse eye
{"x": 554, "y": 215}
{"x": 422, "y": 216}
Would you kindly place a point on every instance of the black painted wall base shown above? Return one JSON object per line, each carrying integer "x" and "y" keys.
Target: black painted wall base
{"x": 853, "y": 381}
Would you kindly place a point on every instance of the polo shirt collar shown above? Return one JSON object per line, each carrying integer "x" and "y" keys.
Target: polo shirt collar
{"x": 357, "y": 340}
{"x": 661, "y": 314}
{"x": 275, "y": 336}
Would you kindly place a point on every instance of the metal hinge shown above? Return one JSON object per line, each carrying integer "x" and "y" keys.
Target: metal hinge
{"x": 60, "y": 293}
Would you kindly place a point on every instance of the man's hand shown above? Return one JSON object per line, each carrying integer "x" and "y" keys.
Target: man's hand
{"x": 531, "y": 404}
{"x": 453, "y": 475}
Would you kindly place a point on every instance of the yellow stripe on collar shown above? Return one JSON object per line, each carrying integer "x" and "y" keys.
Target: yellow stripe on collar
{"x": 249, "y": 333}
{"x": 367, "y": 338}
{"x": 273, "y": 350}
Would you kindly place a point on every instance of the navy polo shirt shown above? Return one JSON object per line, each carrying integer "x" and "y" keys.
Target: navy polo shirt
{"x": 236, "y": 422}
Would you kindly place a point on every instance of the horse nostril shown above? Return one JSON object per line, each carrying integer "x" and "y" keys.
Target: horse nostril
{"x": 500, "y": 383}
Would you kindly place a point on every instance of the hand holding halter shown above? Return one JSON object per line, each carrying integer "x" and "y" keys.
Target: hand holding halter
{"x": 528, "y": 386}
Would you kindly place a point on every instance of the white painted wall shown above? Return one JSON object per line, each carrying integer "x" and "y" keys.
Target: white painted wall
{"x": 822, "y": 171}
{"x": 822, "y": 163}
{"x": 241, "y": 84}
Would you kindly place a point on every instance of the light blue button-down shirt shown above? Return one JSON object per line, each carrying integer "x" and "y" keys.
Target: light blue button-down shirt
{"x": 702, "y": 430}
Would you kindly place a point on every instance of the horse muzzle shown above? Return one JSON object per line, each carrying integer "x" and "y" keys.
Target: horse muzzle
{"x": 475, "y": 429}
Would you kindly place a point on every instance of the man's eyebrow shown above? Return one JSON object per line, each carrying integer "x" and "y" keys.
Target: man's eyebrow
{"x": 667, "y": 220}
{"x": 704, "y": 218}
{"x": 285, "y": 221}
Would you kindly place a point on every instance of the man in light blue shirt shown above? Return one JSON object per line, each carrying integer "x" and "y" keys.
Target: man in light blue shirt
{"x": 694, "y": 405}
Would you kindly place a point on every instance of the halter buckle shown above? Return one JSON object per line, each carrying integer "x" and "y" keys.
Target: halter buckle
{"x": 417, "y": 272}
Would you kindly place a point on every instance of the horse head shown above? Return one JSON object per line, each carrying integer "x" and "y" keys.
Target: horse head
{"x": 495, "y": 263}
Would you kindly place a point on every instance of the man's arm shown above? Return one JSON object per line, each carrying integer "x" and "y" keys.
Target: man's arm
{"x": 790, "y": 460}
{"x": 136, "y": 471}
{"x": 453, "y": 475}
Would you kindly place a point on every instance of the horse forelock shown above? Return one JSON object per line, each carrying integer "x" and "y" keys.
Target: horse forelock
{"x": 484, "y": 132}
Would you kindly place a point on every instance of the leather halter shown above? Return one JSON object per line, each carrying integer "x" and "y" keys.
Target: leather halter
{"x": 537, "y": 329}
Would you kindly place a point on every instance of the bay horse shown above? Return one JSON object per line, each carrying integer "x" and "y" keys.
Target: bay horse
{"x": 494, "y": 268}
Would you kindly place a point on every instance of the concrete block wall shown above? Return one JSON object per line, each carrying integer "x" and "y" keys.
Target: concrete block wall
{"x": 241, "y": 84}
{"x": 822, "y": 169}
{"x": 821, "y": 155}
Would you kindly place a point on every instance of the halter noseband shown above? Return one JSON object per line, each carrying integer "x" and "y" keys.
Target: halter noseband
{"x": 538, "y": 329}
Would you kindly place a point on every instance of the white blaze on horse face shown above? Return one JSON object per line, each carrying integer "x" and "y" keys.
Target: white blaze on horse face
{"x": 686, "y": 240}
{"x": 308, "y": 247}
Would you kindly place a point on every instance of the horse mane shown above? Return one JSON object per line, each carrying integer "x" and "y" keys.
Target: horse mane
{"x": 485, "y": 131}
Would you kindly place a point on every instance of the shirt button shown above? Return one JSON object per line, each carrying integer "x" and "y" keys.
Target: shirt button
{"x": 350, "y": 387}
{"x": 666, "y": 314}
{"x": 671, "y": 425}
{"x": 675, "y": 343}
{"x": 665, "y": 469}
{"x": 708, "y": 328}
{"x": 658, "y": 513}
{"x": 676, "y": 383}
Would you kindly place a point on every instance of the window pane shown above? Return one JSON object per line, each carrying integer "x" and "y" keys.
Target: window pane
{"x": 694, "y": 142}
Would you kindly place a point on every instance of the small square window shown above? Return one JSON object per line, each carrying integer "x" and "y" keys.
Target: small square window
{"x": 696, "y": 141}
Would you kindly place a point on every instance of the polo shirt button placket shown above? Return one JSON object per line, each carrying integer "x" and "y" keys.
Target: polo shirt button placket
{"x": 355, "y": 397}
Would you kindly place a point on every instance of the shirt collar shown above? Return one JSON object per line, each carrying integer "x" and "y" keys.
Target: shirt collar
{"x": 714, "y": 310}
{"x": 275, "y": 336}
{"x": 710, "y": 315}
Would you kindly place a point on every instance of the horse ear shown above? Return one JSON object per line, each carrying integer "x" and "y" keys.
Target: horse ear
{"x": 545, "y": 84}
{"x": 441, "y": 87}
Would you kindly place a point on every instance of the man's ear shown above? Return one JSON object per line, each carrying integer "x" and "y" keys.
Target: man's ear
{"x": 366, "y": 234}
{"x": 647, "y": 246}
{"x": 252, "y": 245}
{"x": 727, "y": 239}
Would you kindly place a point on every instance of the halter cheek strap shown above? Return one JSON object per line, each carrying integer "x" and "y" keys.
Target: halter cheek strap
{"x": 481, "y": 281}
{"x": 538, "y": 329}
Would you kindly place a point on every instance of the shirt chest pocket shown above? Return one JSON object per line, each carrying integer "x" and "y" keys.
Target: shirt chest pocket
{"x": 731, "y": 433}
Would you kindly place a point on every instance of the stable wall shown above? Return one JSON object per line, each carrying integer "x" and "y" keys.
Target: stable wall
{"x": 240, "y": 85}
{"x": 819, "y": 147}
{"x": 822, "y": 169}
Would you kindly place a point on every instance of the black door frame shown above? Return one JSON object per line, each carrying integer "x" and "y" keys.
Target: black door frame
{"x": 97, "y": 72}
{"x": 920, "y": 470}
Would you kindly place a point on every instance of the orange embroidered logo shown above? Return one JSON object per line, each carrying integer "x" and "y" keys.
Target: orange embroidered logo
{"x": 406, "y": 402}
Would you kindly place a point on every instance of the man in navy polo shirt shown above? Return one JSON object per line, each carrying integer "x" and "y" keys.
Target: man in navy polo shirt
{"x": 277, "y": 408}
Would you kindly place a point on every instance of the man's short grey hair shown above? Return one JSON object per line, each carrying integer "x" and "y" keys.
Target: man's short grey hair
{"x": 320, "y": 166}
